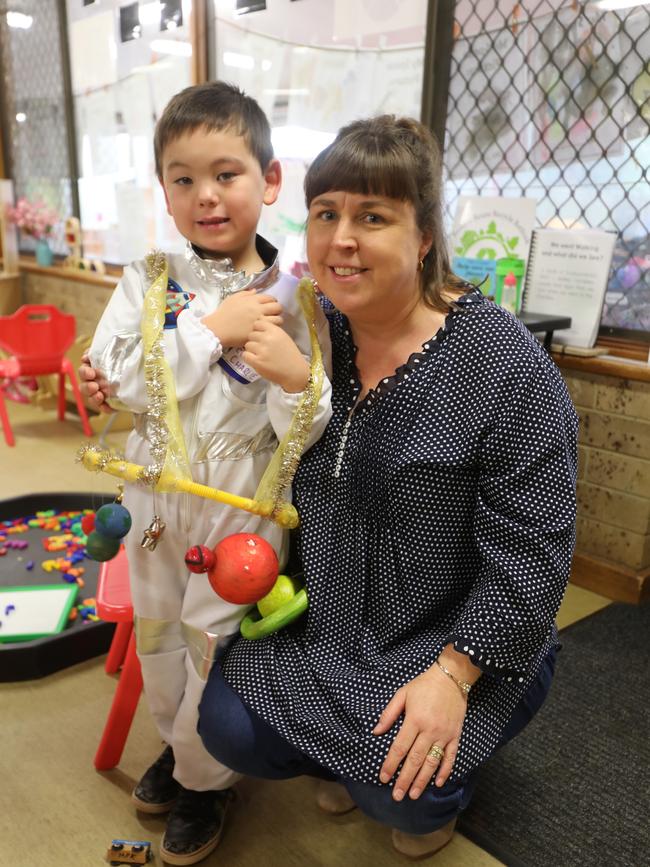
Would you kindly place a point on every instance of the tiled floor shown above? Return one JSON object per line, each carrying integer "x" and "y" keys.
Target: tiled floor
{"x": 57, "y": 811}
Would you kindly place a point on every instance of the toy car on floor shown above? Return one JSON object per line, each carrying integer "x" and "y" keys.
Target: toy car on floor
{"x": 129, "y": 852}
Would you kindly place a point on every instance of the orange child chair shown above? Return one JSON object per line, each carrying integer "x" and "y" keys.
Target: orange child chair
{"x": 37, "y": 336}
{"x": 114, "y": 605}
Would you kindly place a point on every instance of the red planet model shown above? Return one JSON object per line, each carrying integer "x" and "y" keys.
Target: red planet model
{"x": 245, "y": 567}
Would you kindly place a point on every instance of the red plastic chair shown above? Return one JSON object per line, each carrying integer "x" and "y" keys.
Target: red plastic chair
{"x": 4, "y": 418}
{"x": 113, "y": 601}
{"x": 37, "y": 336}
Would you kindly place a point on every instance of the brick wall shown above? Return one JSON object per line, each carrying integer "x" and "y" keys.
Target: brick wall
{"x": 614, "y": 469}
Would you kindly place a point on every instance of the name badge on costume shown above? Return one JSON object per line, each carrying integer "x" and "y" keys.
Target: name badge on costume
{"x": 177, "y": 300}
{"x": 232, "y": 362}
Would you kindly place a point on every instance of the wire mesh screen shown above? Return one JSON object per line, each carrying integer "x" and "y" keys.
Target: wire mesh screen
{"x": 33, "y": 102}
{"x": 551, "y": 100}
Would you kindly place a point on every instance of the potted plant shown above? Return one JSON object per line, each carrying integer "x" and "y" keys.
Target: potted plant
{"x": 37, "y": 220}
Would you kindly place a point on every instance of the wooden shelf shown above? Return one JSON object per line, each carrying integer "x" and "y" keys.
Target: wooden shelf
{"x": 71, "y": 274}
{"x": 605, "y": 365}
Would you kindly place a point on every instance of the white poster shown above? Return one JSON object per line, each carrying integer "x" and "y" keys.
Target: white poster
{"x": 329, "y": 88}
{"x": 377, "y": 16}
{"x": 93, "y": 52}
{"x": 136, "y": 105}
{"x": 254, "y": 63}
{"x": 492, "y": 227}
{"x": 167, "y": 77}
{"x": 133, "y": 214}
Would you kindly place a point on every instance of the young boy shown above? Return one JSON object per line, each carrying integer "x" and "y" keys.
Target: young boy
{"x": 215, "y": 162}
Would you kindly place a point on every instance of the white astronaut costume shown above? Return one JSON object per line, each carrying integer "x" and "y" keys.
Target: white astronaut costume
{"x": 231, "y": 429}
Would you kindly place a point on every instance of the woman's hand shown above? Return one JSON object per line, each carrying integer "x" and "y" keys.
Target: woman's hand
{"x": 274, "y": 355}
{"x": 234, "y": 318}
{"x": 434, "y": 710}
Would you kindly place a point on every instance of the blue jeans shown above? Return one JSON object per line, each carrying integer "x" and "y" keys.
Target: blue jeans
{"x": 241, "y": 740}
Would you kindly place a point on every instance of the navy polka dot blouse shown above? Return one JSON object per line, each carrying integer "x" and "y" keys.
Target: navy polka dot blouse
{"x": 439, "y": 509}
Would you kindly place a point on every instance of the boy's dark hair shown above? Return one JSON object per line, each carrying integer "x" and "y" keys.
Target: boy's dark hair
{"x": 396, "y": 157}
{"x": 214, "y": 106}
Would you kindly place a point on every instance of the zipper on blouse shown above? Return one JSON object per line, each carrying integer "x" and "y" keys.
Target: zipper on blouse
{"x": 346, "y": 427}
{"x": 341, "y": 449}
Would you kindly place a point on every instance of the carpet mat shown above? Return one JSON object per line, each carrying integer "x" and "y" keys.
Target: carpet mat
{"x": 573, "y": 789}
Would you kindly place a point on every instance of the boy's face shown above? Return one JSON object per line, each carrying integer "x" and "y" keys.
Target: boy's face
{"x": 214, "y": 189}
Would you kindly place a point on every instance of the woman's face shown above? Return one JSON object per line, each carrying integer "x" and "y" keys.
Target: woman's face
{"x": 363, "y": 251}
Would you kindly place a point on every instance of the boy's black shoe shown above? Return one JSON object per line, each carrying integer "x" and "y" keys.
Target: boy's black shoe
{"x": 194, "y": 826}
{"x": 157, "y": 790}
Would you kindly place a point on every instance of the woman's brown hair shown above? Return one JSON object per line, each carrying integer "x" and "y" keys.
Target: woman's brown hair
{"x": 398, "y": 158}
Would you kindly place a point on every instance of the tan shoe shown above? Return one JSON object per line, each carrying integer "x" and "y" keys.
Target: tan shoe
{"x": 333, "y": 798}
{"x": 416, "y": 846}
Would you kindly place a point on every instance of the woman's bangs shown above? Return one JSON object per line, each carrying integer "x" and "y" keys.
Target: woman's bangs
{"x": 356, "y": 171}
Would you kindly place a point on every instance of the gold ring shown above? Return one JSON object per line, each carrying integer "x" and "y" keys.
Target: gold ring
{"x": 436, "y": 752}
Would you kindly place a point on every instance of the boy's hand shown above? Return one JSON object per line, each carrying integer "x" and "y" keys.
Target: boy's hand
{"x": 275, "y": 356}
{"x": 234, "y": 318}
{"x": 94, "y": 385}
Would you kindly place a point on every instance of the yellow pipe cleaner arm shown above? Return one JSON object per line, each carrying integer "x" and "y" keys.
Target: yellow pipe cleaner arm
{"x": 100, "y": 460}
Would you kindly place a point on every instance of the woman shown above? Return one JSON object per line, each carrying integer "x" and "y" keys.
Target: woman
{"x": 437, "y": 518}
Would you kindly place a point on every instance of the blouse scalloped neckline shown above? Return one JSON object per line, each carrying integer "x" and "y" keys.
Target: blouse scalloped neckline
{"x": 415, "y": 359}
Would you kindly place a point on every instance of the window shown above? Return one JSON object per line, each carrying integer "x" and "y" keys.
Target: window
{"x": 552, "y": 100}
{"x": 127, "y": 61}
{"x": 35, "y": 123}
{"x": 314, "y": 65}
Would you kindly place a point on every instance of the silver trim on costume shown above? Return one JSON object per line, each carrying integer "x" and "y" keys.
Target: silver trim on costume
{"x": 202, "y": 647}
{"x": 219, "y": 445}
{"x": 156, "y": 636}
{"x": 113, "y": 360}
{"x": 220, "y": 272}
{"x": 164, "y": 636}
